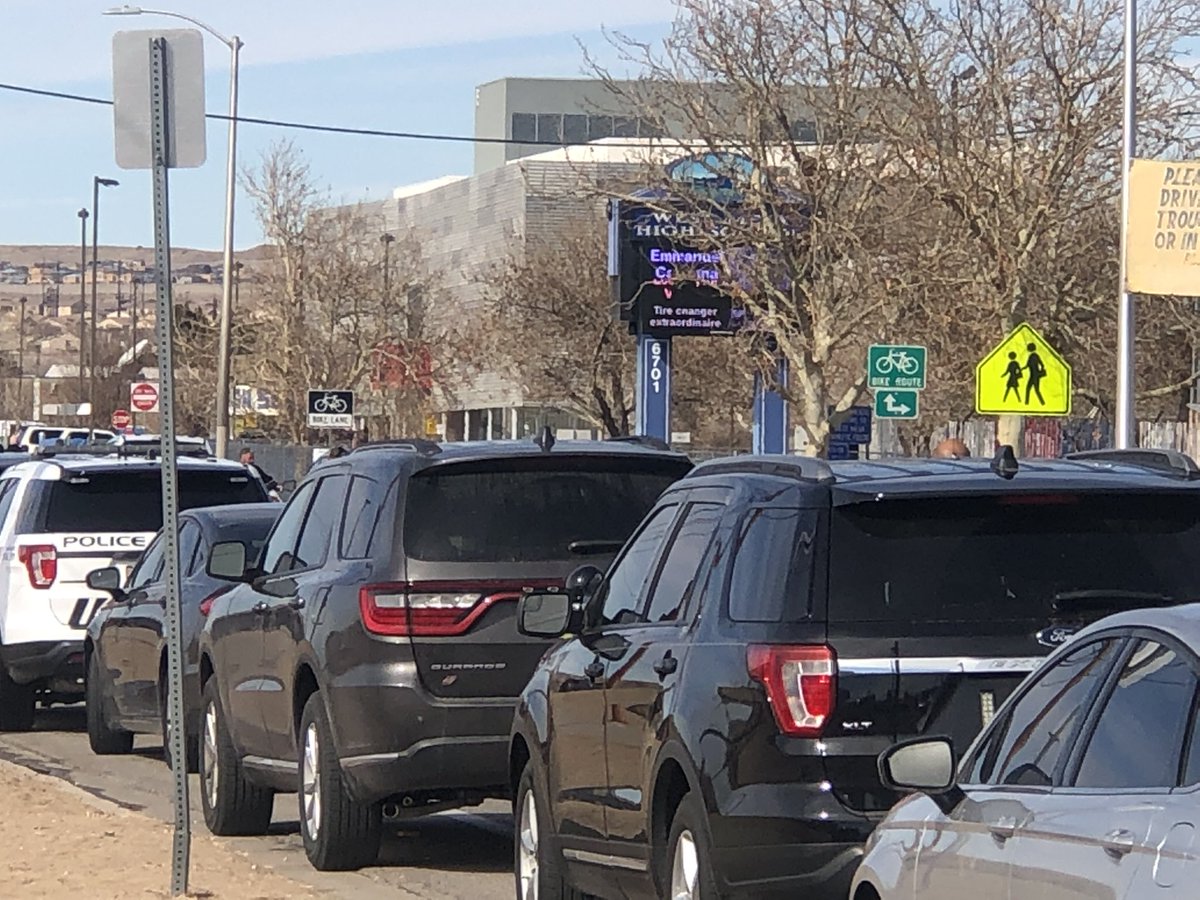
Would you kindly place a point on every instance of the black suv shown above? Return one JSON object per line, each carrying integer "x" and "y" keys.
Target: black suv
{"x": 371, "y": 659}
{"x": 776, "y": 622}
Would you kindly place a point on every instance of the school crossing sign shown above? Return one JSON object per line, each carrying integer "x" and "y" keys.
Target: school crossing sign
{"x": 1023, "y": 376}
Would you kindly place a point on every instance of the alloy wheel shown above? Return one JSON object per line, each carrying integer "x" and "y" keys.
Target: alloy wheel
{"x": 310, "y": 782}
{"x": 527, "y": 852}
{"x": 211, "y": 774}
{"x": 685, "y": 869}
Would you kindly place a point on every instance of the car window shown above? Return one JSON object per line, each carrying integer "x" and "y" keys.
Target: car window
{"x": 772, "y": 565}
{"x": 465, "y": 511}
{"x": 1138, "y": 739}
{"x": 621, "y": 594}
{"x": 1027, "y": 746}
{"x": 149, "y": 567}
{"x": 8, "y": 491}
{"x": 362, "y": 512}
{"x": 323, "y": 516}
{"x": 681, "y": 565}
{"x": 280, "y": 551}
{"x": 189, "y": 539}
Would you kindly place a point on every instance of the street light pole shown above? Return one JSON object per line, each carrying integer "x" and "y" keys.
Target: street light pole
{"x": 97, "y": 182}
{"x": 83, "y": 217}
{"x": 234, "y": 44}
{"x": 21, "y": 363}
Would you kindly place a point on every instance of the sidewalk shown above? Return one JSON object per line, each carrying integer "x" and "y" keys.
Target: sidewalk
{"x": 57, "y": 841}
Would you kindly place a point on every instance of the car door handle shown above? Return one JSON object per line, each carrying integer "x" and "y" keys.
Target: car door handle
{"x": 594, "y": 669}
{"x": 666, "y": 666}
{"x": 1118, "y": 843}
{"x": 1003, "y": 829}
{"x": 261, "y": 607}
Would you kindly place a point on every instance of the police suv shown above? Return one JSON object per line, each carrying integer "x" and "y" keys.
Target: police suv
{"x": 61, "y": 516}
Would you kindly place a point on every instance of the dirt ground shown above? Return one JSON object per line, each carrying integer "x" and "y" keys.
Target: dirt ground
{"x": 58, "y": 842}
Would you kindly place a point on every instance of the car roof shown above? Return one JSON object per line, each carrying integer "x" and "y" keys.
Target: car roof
{"x": 52, "y": 468}
{"x": 234, "y": 513}
{"x": 434, "y": 453}
{"x": 915, "y": 477}
{"x": 1182, "y": 622}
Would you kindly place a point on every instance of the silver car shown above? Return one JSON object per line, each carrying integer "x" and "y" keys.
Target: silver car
{"x": 1086, "y": 784}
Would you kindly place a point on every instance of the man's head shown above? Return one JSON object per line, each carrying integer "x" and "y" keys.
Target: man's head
{"x": 247, "y": 456}
{"x": 951, "y": 448}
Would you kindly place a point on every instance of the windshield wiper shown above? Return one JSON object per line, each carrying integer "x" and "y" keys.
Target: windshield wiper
{"x": 1100, "y": 598}
{"x": 587, "y": 548}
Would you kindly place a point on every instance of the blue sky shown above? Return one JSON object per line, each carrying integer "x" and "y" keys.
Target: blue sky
{"x": 405, "y": 65}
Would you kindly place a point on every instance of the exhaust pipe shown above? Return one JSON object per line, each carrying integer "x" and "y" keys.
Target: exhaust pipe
{"x": 390, "y": 811}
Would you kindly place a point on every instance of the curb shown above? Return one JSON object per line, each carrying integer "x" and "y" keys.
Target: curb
{"x": 63, "y": 786}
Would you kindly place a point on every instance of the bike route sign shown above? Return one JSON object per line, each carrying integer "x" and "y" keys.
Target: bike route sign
{"x": 896, "y": 366}
{"x": 330, "y": 409}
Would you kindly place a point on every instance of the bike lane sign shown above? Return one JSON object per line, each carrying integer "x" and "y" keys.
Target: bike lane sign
{"x": 330, "y": 409}
{"x": 896, "y": 366}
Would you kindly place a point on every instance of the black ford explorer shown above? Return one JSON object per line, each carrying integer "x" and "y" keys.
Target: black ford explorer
{"x": 711, "y": 725}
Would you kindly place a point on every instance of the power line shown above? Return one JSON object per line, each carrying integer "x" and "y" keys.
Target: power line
{"x": 327, "y": 129}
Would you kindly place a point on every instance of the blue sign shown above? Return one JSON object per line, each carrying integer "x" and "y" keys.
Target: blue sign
{"x": 854, "y": 430}
{"x": 769, "y": 431}
{"x": 654, "y": 387}
{"x": 719, "y": 176}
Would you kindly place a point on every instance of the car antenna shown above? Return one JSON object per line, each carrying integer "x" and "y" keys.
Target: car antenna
{"x": 1004, "y": 463}
{"x": 545, "y": 440}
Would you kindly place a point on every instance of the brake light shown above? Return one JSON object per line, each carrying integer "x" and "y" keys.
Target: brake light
{"x": 206, "y": 604}
{"x": 801, "y": 683}
{"x": 41, "y": 562}
{"x": 405, "y": 610}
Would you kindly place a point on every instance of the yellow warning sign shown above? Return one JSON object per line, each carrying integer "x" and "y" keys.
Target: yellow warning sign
{"x": 1023, "y": 376}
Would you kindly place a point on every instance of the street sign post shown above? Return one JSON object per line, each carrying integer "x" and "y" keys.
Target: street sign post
{"x": 143, "y": 396}
{"x": 896, "y": 366}
{"x": 1024, "y": 376}
{"x": 896, "y": 404}
{"x": 330, "y": 409}
{"x": 121, "y": 419}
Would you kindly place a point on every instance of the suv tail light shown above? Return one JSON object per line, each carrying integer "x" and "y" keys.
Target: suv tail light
{"x": 41, "y": 562}
{"x": 206, "y": 604}
{"x": 417, "y": 611}
{"x": 801, "y": 683}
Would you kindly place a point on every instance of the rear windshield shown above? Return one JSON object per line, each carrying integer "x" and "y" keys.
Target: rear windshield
{"x": 132, "y": 501}
{"x": 1008, "y": 557}
{"x": 529, "y": 509}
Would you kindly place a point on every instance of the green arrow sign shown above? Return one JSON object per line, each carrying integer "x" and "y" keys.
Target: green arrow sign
{"x": 896, "y": 366}
{"x": 896, "y": 404}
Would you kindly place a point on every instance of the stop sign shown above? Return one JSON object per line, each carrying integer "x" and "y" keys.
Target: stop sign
{"x": 144, "y": 397}
{"x": 121, "y": 419}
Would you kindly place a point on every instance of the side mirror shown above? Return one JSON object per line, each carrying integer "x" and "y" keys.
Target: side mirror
{"x": 582, "y": 584}
{"x": 924, "y": 764}
{"x": 108, "y": 580}
{"x": 227, "y": 561}
{"x": 544, "y": 615}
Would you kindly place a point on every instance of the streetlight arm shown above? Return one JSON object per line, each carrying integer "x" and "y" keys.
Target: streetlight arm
{"x": 139, "y": 11}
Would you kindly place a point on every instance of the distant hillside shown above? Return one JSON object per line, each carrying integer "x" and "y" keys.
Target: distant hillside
{"x": 28, "y": 254}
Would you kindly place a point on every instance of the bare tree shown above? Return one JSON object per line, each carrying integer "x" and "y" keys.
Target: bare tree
{"x": 923, "y": 172}
{"x": 330, "y": 317}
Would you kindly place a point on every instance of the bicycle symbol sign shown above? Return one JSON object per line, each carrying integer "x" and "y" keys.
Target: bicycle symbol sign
{"x": 896, "y": 366}
{"x": 330, "y": 409}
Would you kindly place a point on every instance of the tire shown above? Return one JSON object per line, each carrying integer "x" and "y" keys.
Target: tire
{"x": 232, "y": 804}
{"x": 16, "y": 704}
{"x": 687, "y": 858}
{"x": 104, "y": 739}
{"x": 191, "y": 742}
{"x": 340, "y": 833}
{"x": 537, "y": 862}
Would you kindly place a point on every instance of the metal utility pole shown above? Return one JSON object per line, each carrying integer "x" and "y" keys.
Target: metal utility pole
{"x": 97, "y": 182}
{"x": 234, "y": 43}
{"x": 387, "y": 241}
{"x": 1126, "y": 419}
{"x": 83, "y": 217}
{"x": 21, "y": 362}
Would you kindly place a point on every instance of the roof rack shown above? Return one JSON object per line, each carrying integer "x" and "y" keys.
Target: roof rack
{"x": 641, "y": 440}
{"x": 143, "y": 450}
{"x": 1168, "y": 462}
{"x": 803, "y": 468}
{"x": 419, "y": 445}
